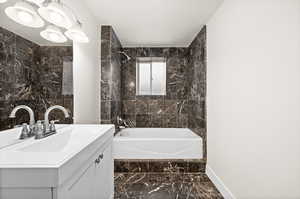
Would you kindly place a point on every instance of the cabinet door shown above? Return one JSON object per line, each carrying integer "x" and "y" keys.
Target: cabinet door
{"x": 82, "y": 187}
{"x": 104, "y": 177}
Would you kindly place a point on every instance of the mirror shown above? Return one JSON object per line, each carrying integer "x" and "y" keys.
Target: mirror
{"x": 33, "y": 72}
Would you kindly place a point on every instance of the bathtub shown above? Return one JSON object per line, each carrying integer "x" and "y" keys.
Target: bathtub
{"x": 157, "y": 143}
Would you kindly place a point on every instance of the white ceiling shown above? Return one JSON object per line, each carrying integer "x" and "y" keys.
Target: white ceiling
{"x": 32, "y": 34}
{"x": 151, "y": 23}
{"x": 154, "y": 23}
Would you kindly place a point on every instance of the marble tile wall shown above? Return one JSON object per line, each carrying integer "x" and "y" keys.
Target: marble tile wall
{"x": 50, "y": 88}
{"x": 111, "y": 64}
{"x": 169, "y": 111}
{"x": 197, "y": 62}
{"x": 159, "y": 166}
{"x": 30, "y": 75}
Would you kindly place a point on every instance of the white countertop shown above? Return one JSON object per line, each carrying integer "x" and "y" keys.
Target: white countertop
{"x": 55, "y": 150}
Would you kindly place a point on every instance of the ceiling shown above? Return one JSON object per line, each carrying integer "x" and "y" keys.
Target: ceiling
{"x": 149, "y": 23}
{"x": 32, "y": 34}
{"x": 154, "y": 23}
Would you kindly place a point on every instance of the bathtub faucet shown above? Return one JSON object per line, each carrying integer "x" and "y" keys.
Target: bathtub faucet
{"x": 123, "y": 124}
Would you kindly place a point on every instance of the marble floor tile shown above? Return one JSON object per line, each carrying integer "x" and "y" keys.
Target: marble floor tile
{"x": 164, "y": 186}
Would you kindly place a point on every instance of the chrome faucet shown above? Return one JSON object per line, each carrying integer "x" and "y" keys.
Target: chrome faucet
{"x": 25, "y": 133}
{"x": 46, "y": 122}
{"x": 27, "y": 108}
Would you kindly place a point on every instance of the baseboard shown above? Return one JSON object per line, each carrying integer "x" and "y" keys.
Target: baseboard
{"x": 227, "y": 194}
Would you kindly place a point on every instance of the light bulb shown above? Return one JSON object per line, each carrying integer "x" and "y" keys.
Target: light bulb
{"x": 25, "y": 16}
{"x": 56, "y": 13}
{"x": 53, "y": 36}
{"x": 24, "y": 13}
{"x": 55, "y": 17}
{"x": 76, "y": 34}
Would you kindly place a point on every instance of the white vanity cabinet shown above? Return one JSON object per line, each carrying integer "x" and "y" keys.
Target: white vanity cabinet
{"x": 77, "y": 163}
{"x": 95, "y": 181}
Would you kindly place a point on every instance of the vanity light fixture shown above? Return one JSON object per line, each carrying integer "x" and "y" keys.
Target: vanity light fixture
{"x": 53, "y": 34}
{"x": 76, "y": 34}
{"x": 53, "y": 11}
{"x": 24, "y": 13}
{"x": 57, "y": 14}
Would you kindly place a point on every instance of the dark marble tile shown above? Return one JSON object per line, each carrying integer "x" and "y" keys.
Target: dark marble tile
{"x": 183, "y": 120}
{"x": 105, "y": 91}
{"x": 164, "y": 186}
{"x": 195, "y": 167}
{"x": 128, "y": 107}
{"x": 171, "y": 107}
{"x": 157, "y": 52}
{"x": 170, "y": 121}
{"x": 31, "y": 75}
{"x": 156, "y": 106}
{"x": 142, "y": 106}
{"x": 138, "y": 166}
{"x": 111, "y": 74}
{"x": 156, "y": 120}
{"x": 143, "y": 52}
{"x": 121, "y": 166}
{"x": 105, "y": 110}
{"x": 143, "y": 120}
{"x": 159, "y": 166}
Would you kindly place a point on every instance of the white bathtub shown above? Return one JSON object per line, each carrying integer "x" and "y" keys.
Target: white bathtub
{"x": 157, "y": 143}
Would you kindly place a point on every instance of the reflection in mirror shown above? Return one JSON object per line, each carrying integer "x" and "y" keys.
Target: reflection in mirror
{"x": 33, "y": 72}
{"x": 151, "y": 76}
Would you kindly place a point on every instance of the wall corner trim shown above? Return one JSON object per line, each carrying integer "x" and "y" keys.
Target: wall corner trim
{"x": 226, "y": 193}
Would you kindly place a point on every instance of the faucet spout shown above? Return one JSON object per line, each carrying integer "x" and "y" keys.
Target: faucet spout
{"x": 51, "y": 109}
{"x": 27, "y": 108}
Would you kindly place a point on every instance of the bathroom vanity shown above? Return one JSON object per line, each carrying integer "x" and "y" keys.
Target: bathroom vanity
{"x": 74, "y": 163}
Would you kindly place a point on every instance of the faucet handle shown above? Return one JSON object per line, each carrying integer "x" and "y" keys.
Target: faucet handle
{"x": 52, "y": 125}
{"x": 39, "y": 131}
{"x": 25, "y": 132}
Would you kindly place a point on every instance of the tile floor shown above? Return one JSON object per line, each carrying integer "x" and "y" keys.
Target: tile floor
{"x": 164, "y": 186}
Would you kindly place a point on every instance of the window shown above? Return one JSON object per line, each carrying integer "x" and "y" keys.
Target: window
{"x": 151, "y": 76}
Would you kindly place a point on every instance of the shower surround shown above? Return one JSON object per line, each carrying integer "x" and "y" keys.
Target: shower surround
{"x": 31, "y": 75}
{"x": 183, "y": 106}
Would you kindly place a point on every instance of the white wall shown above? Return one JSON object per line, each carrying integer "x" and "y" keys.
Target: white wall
{"x": 86, "y": 68}
{"x": 254, "y": 97}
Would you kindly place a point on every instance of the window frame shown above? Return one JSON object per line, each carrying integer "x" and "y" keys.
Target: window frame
{"x": 149, "y": 60}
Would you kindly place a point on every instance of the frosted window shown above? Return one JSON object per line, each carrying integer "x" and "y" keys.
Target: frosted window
{"x": 151, "y": 76}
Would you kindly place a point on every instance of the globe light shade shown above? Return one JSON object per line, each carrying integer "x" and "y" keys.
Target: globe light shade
{"x": 76, "y": 34}
{"x": 53, "y": 34}
{"x": 3, "y": 1}
{"x": 55, "y": 13}
{"x": 24, "y": 14}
